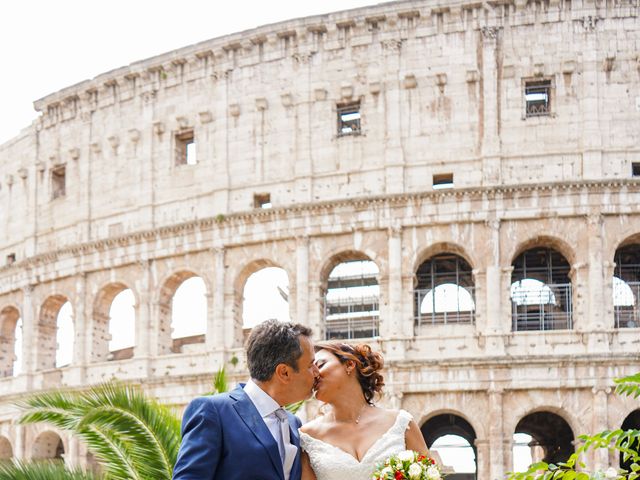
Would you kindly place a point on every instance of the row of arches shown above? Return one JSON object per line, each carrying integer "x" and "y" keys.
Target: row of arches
{"x": 539, "y": 436}
{"x": 444, "y": 292}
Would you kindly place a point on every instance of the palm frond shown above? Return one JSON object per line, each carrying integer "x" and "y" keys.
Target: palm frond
{"x": 42, "y": 470}
{"x": 220, "y": 384}
{"x": 132, "y": 436}
{"x": 629, "y": 386}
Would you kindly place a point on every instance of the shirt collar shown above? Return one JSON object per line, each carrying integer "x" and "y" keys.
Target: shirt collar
{"x": 261, "y": 399}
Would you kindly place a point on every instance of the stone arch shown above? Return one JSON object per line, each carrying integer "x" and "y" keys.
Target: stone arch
{"x": 632, "y": 421}
{"x": 541, "y": 290}
{"x": 169, "y": 286}
{"x": 442, "y": 247}
{"x": 549, "y": 430}
{"x": 449, "y": 423}
{"x": 46, "y": 331}
{"x": 351, "y": 297}
{"x": 9, "y": 317}
{"x": 100, "y": 335}
{"x": 48, "y": 445}
{"x": 242, "y": 280}
{"x": 626, "y": 283}
{"x": 549, "y": 241}
{"x": 6, "y": 450}
{"x": 444, "y": 286}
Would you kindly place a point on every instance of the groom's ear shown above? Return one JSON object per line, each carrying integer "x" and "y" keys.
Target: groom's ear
{"x": 283, "y": 372}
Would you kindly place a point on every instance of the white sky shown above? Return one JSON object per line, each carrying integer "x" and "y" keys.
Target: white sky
{"x": 48, "y": 45}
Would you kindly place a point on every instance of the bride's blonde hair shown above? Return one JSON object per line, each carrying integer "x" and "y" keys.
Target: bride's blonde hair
{"x": 367, "y": 365}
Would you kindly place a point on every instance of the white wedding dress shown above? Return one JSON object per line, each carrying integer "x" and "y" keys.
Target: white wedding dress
{"x": 332, "y": 463}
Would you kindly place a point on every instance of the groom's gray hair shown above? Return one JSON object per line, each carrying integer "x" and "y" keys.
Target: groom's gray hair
{"x": 272, "y": 343}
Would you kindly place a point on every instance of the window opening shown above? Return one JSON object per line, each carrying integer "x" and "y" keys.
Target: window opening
{"x": 635, "y": 169}
{"x": 11, "y": 259}
{"x": 262, "y": 200}
{"x": 58, "y": 182}
{"x": 538, "y": 98}
{"x": 444, "y": 180}
{"x": 186, "y": 148}
{"x": 626, "y": 287}
{"x": 349, "y": 119}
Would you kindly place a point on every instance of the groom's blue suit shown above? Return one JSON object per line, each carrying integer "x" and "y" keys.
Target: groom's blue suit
{"x": 225, "y": 438}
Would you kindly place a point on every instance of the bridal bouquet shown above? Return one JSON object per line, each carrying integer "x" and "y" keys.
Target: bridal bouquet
{"x": 408, "y": 465}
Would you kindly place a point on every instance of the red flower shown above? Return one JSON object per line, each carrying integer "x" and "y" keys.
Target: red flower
{"x": 421, "y": 458}
{"x": 399, "y": 475}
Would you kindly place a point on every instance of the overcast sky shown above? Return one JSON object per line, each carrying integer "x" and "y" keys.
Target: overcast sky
{"x": 46, "y": 45}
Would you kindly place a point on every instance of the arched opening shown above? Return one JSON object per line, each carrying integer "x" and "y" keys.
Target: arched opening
{"x": 351, "y": 299}
{"x": 626, "y": 286}
{"x": 541, "y": 291}
{"x": 64, "y": 336}
{"x": 48, "y": 446}
{"x": 453, "y": 438}
{"x": 632, "y": 422}
{"x": 444, "y": 291}
{"x": 10, "y": 341}
{"x": 182, "y": 312}
{"x": 525, "y": 451}
{"x": 551, "y": 436}
{"x": 55, "y": 333}
{"x": 265, "y": 296}
{"x": 122, "y": 326}
{"x": 188, "y": 313}
{"x": 6, "y": 451}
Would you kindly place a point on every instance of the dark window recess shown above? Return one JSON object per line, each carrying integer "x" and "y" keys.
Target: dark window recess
{"x": 537, "y": 96}
{"x": 11, "y": 259}
{"x": 443, "y": 180}
{"x": 635, "y": 169}
{"x": 262, "y": 200}
{"x": 186, "y": 148}
{"x": 58, "y": 182}
{"x": 349, "y": 119}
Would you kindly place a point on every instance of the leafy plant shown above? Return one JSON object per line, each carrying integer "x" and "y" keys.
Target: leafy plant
{"x": 627, "y": 442}
{"x": 42, "y": 470}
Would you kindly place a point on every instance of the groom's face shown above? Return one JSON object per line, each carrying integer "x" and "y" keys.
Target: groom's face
{"x": 304, "y": 379}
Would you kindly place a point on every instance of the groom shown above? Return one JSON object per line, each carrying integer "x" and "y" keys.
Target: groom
{"x": 246, "y": 434}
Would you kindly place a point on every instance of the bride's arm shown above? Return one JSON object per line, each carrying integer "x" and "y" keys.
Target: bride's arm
{"x": 307, "y": 471}
{"x": 414, "y": 439}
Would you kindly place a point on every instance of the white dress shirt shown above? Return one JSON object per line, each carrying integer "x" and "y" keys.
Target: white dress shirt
{"x": 266, "y": 407}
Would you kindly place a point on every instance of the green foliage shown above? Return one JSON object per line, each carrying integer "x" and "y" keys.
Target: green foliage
{"x": 42, "y": 470}
{"x": 133, "y": 437}
{"x": 626, "y": 442}
{"x": 294, "y": 407}
{"x": 220, "y": 384}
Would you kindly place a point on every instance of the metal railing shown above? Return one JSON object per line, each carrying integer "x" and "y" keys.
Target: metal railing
{"x": 542, "y": 307}
{"x": 455, "y": 308}
{"x": 353, "y": 317}
{"x": 628, "y": 315}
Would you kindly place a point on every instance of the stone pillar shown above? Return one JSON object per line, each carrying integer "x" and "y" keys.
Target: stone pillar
{"x": 215, "y": 336}
{"x": 147, "y": 333}
{"x": 483, "y": 462}
{"x": 302, "y": 280}
{"x": 316, "y": 310}
{"x": 490, "y": 68}
{"x": 20, "y": 448}
{"x": 81, "y": 325}
{"x": 591, "y": 131}
{"x": 594, "y": 322}
{"x": 496, "y": 322}
{"x": 599, "y": 418}
{"x": 394, "y": 325}
{"x": 29, "y": 333}
{"x": 496, "y": 435}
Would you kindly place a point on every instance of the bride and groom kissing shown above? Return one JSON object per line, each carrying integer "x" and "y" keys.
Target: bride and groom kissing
{"x": 246, "y": 434}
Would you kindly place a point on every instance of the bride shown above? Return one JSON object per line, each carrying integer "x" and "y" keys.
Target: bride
{"x": 355, "y": 435}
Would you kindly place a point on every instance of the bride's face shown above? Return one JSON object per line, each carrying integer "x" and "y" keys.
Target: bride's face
{"x": 332, "y": 375}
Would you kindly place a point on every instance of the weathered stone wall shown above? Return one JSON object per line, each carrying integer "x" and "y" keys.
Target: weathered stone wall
{"x": 441, "y": 90}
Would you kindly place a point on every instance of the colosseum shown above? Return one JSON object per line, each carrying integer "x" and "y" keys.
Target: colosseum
{"x": 456, "y": 182}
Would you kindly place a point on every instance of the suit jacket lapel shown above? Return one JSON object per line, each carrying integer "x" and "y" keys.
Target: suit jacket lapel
{"x": 250, "y": 416}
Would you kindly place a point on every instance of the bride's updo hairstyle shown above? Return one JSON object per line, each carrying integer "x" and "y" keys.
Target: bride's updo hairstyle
{"x": 367, "y": 365}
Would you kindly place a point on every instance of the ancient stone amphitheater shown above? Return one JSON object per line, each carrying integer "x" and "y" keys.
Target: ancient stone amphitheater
{"x": 473, "y": 168}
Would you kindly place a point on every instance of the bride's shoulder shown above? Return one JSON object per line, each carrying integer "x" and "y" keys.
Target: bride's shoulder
{"x": 315, "y": 427}
{"x": 393, "y": 414}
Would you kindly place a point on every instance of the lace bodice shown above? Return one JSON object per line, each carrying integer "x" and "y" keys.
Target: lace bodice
{"x": 332, "y": 463}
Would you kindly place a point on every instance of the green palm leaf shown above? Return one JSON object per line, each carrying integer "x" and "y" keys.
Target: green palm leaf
{"x": 132, "y": 436}
{"x": 43, "y": 470}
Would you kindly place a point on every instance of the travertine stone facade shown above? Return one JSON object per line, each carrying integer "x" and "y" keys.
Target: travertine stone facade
{"x": 92, "y": 201}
